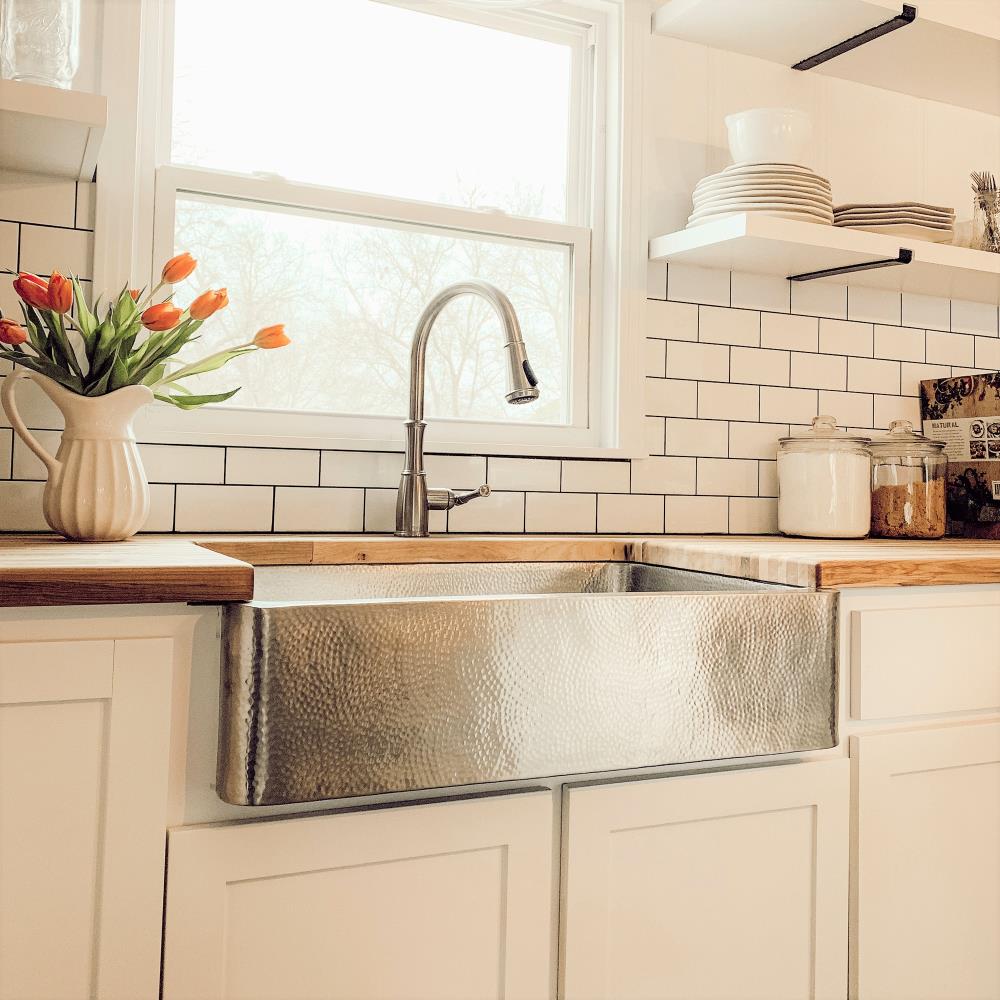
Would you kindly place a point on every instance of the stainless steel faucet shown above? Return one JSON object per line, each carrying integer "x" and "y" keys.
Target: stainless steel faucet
{"x": 414, "y": 499}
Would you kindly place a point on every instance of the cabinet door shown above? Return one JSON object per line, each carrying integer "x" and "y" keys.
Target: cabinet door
{"x": 438, "y": 901}
{"x": 927, "y": 901}
{"x": 728, "y": 885}
{"x": 84, "y": 733}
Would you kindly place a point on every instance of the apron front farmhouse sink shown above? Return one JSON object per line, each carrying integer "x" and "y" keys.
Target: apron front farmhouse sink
{"x": 356, "y": 680}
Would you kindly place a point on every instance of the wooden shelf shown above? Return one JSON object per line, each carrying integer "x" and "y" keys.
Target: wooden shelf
{"x": 929, "y": 58}
{"x": 45, "y": 130}
{"x": 759, "y": 244}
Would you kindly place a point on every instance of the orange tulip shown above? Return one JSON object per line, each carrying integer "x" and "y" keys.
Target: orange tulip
{"x": 12, "y": 333}
{"x": 60, "y": 293}
{"x": 135, "y": 293}
{"x": 178, "y": 268}
{"x": 271, "y": 337}
{"x": 208, "y": 303}
{"x": 162, "y": 316}
{"x": 32, "y": 289}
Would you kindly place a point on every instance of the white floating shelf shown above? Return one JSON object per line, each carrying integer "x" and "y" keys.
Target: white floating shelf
{"x": 45, "y": 130}
{"x": 929, "y": 58}
{"x": 759, "y": 244}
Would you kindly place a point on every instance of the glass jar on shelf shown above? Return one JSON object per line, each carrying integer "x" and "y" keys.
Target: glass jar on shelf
{"x": 909, "y": 484}
{"x": 824, "y": 483}
{"x": 40, "y": 41}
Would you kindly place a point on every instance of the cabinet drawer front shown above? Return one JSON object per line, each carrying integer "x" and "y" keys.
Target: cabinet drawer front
{"x": 925, "y": 661}
{"x": 55, "y": 671}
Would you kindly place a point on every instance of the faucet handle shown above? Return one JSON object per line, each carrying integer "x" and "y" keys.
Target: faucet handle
{"x": 446, "y": 499}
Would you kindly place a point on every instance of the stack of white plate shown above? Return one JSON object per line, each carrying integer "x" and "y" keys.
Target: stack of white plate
{"x": 910, "y": 219}
{"x": 785, "y": 190}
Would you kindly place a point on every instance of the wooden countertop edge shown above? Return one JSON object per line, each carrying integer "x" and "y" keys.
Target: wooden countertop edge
{"x": 843, "y": 574}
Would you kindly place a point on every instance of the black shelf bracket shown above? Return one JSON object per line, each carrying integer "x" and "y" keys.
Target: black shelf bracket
{"x": 905, "y": 257}
{"x": 908, "y": 16}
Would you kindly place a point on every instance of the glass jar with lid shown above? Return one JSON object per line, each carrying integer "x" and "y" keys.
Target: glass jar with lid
{"x": 824, "y": 482}
{"x": 909, "y": 484}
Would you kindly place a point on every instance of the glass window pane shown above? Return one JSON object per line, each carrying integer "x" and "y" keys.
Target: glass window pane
{"x": 350, "y": 293}
{"x": 370, "y": 97}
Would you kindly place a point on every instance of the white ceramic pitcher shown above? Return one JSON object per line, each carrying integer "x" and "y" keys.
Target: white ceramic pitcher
{"x": 96, "y": 489}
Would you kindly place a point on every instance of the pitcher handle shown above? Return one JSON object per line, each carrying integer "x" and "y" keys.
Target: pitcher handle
{"x": 7, "y": 400}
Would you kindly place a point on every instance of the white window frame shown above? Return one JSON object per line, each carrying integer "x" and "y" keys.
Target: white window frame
{"x": 135, "y": 226}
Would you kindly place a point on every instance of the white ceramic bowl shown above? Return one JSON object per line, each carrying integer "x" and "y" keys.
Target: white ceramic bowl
{"x": 769, "y": 135}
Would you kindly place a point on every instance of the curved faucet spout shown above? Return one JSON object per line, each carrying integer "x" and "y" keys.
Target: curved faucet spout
{"x": 413, "y": 501}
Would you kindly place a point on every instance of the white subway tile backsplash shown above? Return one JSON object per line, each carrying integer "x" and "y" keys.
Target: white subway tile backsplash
{"x": 166, "y": 463}
{"x": 729, "y": 326}
{"x": 272, "y": 467}
{"x": 852, "y": 409}
{"x": 758, "y": 366}
{"x": 455, "y": 472}
{"x": 873, "y": 375}
{"x": 767, "y": 473}
{"x": 987, "y": 353}
{"x": 318, "y": 508}
{"x": 223, "y": 508}
{"x": 900, "y": 343}
{"x": 819, "y": 298}
{"x": 540, "y": 474}
{"x": 6, "y": 453}
{"x": 672, "y": 320}
{"x": 670, "y": 397}
{"x": 21, "y": 506}
{"x": 874, "y": 305}
{"x": 86, "y": 205}
{"x": 926, "y": 311}
{"x": 889, "y": 408}
{"x": 697, "y": 284}
{"x": 787, "y": 406}
{"x": 727, "y": 477}
{"x": 818, "y": 371}
{"x": 755, "y": 440}
{"x": 45, "y": 249}
{"x": 718, "y": 401}
{"x": 26, "y": 464}
{"x": 34, "y": 198}
{"x": 697, "y": 437}
{"x": 911, "y": 375}
{"x": 753, "y": 516}
{"x": 161, "y": 508}
{"x": 789, "y": 333}
{"x": 656, "y": 279}
{"x": 360, "y": 468}
{"x": 664, "y": 475}
{"x": 654, "y": 357}
{"x": 655, "y": 430}
{"x": 837, "y": 336}
{"x": 8, "y": 256}
{"x": 560, "y": 513}
{"x": 950, "y": 348}
{"x": 629, "y": 514}
{"x": 500, "y": 512}
{"x": 760, "y": 291}
{"x": 696, "y": 515}
{"x": 595, "y": 477}
{"x": 973, "y": 317}
{"x": 708, "y": 362}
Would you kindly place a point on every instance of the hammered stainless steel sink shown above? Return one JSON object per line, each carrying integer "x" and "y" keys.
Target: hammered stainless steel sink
{"x": 356, "y": 680}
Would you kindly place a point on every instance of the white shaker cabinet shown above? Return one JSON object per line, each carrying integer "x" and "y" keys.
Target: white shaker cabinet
{"x": 430, "y": 901}
{"x": 727, "y": 885}
{"x": 926, "y": 921}
{"x": 84, "y": 736}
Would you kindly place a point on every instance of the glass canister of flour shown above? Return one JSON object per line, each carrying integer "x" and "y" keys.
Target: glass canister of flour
{"x": 909, "y": 483}
{"x": 824, "y": 483}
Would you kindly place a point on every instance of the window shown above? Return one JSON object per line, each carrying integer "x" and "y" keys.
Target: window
{"x": 334, "y": 165}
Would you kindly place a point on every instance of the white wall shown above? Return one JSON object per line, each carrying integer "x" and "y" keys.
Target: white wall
{"x": 732, "y": 361}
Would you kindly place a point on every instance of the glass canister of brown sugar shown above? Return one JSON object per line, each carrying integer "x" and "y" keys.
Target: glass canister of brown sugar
{"x": 909, "y": 481}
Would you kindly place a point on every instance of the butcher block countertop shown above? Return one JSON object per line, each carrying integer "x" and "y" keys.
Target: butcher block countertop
{"x": 41, "y": 570}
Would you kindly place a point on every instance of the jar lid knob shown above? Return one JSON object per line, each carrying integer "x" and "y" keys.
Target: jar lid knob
{"x": 824, "y": 422}
{"x": 900, "y": 427}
